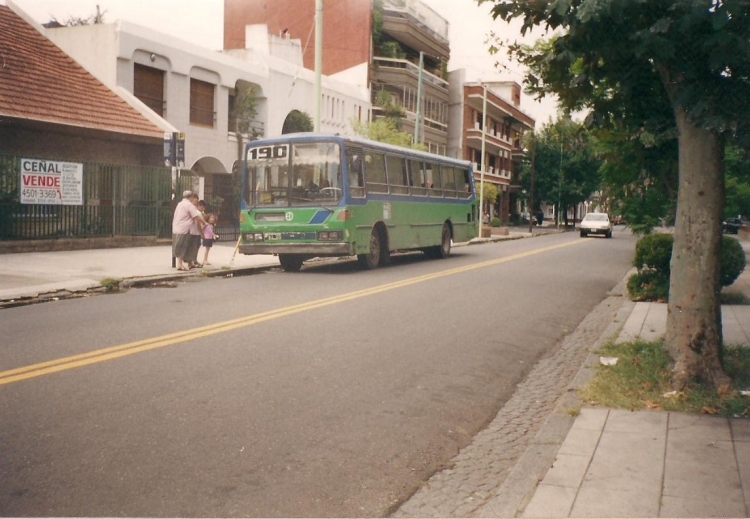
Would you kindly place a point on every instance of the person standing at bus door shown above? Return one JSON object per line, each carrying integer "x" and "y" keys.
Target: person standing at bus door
{"x": 209, "y": 235}
{"x": 185, "y": 214}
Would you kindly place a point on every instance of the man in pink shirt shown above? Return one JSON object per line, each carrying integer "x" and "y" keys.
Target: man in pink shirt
{"x": 186, "y": 215}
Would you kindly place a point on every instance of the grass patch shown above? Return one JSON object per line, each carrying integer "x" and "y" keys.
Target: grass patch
{"x": 110, "y": 284}
{"x": 641, "y": 380}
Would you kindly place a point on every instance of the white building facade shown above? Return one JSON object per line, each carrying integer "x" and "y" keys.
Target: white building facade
{"x": 194, "y": 88}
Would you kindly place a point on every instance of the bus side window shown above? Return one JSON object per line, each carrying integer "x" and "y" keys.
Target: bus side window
{"x": 464, "y": 180}
{"x": 377, "y": 181}
{"x": 449, "y": 181}
{"x": 398, "y": 175}
{"x": 416, "y": 180}
{"x": 356, "y": 176}
{"x": 432, "y": 180}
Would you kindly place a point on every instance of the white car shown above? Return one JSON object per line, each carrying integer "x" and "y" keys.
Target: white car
{"x": 596, "y": 223}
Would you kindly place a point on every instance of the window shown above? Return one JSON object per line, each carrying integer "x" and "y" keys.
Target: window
{"x": 463, "y": 177}
{"x": 417, "y": 181}
{"x": 201, "y": 103}
{"x": 375, "y": 173}
{"x": 432, "y": 179}
{"x": 449, "y": 181}
{"x": 148, "y": 86}
{"x": 232, "y": 116}
{"x": 398, "y": 175}
{"x": 356, "y": 173}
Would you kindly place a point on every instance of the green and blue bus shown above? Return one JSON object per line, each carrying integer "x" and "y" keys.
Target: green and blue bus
{"x": 312, "y": 195}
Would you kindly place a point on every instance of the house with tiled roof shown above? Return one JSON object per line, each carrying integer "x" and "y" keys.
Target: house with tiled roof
{"x": 51, "y": 107}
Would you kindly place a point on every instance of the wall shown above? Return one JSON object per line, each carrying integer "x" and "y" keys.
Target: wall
{"x": 57, "y": 143}
{"x": 346, "y": 26}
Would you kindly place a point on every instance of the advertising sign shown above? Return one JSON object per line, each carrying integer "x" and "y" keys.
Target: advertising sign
{"x": 51, "y": 183}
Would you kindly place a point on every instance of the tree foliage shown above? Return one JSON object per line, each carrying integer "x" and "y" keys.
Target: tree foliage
{"x": 565, "y": 166}
{"x": 297, "y": 122}
{"x": 661, "y": 67}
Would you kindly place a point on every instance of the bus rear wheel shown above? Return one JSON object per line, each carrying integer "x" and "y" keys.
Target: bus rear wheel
{"x": 291, "y": 262}
{"x": 372, "y": 259}
{"x": 443, "y": 250}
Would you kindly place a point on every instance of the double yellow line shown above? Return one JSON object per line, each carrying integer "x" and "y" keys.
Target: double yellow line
{"x": 116, "y": 352}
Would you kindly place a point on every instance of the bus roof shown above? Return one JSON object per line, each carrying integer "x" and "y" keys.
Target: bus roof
{"x": 320, "y": 137}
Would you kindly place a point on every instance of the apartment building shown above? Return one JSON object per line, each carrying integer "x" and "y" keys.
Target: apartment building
{"x": 373, "y": 43}
{"x": 488, "y": 116}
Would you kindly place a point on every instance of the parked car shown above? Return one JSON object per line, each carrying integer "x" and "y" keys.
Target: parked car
{"x": 732, "y": 225}
{"x": 618, "y": 220}
{"x": 596, "y": 223}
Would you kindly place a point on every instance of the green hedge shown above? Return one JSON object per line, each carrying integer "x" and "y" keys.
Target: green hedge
{"x": 653, "y": 254}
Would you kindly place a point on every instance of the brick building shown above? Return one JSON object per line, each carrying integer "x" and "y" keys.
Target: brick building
{"x": 505, "y": 125}
{"x": 372, "y": 43}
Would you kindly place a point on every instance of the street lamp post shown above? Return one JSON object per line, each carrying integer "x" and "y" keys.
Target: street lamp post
{"x": 531, "y": 193}
{"x": 481, "y": 160}
{"x": 559, "y": 184}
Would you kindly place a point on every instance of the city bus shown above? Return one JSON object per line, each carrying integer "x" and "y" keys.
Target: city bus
{"x": 311, "y": 195}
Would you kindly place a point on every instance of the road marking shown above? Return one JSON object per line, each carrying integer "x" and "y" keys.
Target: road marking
{"x": 115, "y": 352}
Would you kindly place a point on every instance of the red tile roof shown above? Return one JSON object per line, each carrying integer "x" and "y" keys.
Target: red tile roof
{"x": 39, "y": 82}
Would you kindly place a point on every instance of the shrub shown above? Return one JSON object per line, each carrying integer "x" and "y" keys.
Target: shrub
{"x": 732, "y": 260}
{"x": 654, "y": 251}
{"x": 653, "y": 254}
{"x": 649, "y": 285}
{"x": 496, "y": 222}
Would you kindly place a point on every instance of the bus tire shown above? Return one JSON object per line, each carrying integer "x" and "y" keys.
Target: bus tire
{"x": 291, "y": 262}
{"x": 374, "y": 257}
{"x": 443, "y": 250}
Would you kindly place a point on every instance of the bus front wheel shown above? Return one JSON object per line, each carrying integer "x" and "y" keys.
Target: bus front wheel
{"x": 291, "y": 262}
{"x": 373, "y": 259}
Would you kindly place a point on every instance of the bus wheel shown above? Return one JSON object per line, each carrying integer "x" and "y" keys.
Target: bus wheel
{"x": 291, "y": 262}
{"x": 371, "y": 260}
{"x": 443, "y": 250}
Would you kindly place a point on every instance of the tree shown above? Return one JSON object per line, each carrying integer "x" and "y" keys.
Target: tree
{"x": 694, "y": 55}
{"x": 74, "y": 21}
{"x": 297, "y": 122}
{"x": 244, "y": 112}
{"x": 566, "y": 169}
{"x": 387, "y": 128}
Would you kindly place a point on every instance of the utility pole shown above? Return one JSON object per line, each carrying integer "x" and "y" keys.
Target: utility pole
{"x": 318, "y": 64}
{"x": 481, "y": 160}
{"x": 559, "y": 185}
{"x": 531, "y": 194}
{"x": 418, "y": 122}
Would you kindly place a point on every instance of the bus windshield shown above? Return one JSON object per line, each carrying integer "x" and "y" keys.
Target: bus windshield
{"x": 294, "y": 175}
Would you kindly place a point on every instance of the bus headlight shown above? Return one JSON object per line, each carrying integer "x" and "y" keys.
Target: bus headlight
{"x": 330, "y": 236}
{"x": 254, "y": 236}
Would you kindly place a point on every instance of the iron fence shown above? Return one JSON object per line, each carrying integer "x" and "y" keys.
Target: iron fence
{"x": 117, "y": 200}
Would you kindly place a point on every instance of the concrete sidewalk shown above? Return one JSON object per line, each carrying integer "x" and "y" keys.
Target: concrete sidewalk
{"x": 33, "y": 274}
{"x": 618, "y": 463}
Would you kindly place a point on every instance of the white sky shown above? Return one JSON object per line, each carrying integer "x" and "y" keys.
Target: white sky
{"x": 201, "y": 22}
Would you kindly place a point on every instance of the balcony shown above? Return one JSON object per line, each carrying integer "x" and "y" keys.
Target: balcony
{"x": 403, "y": 72}
{"x": 416, "y": 25}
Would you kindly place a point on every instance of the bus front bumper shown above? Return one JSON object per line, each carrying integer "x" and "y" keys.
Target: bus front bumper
{"x": 307, "y": 249}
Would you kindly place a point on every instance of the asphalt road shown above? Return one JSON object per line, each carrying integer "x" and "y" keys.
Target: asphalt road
{"x": 329, "y": 392}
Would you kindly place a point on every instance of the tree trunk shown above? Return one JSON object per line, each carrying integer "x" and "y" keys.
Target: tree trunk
{"x": 693, "y": 335}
